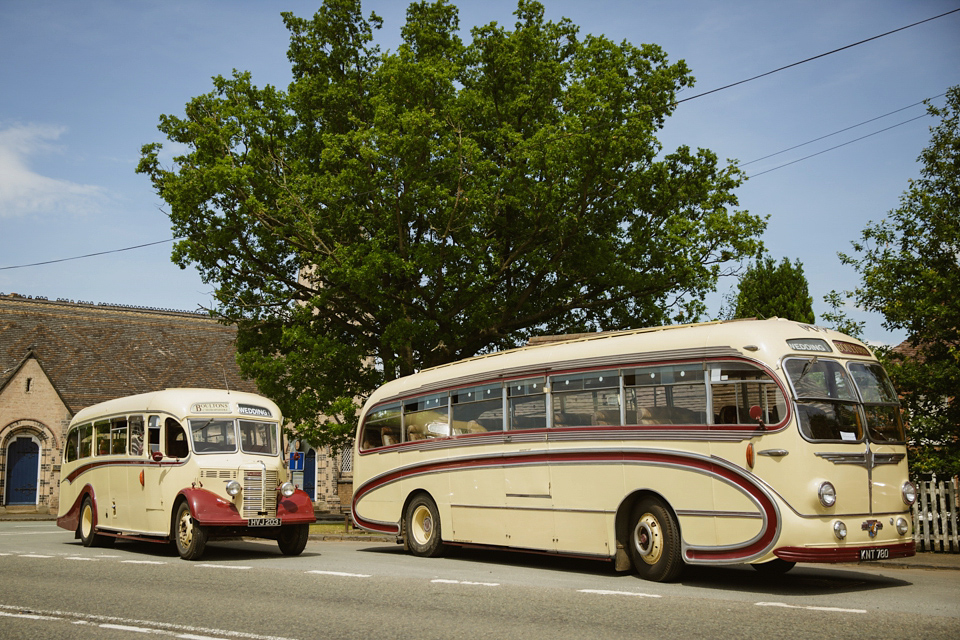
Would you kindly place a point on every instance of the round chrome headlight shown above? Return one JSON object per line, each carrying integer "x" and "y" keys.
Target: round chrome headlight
{"x": 839, "y": 530}
{"x": 909, "y": 492}
{"x": 234, "y": 488}
{"x": 287, "y": 489}
{"x": 827, "y": 494}
{"x": 902, "y": 526}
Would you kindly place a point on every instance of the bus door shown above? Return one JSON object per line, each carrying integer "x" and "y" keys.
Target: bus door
{"x": 121, "y": 507}
{"x": 153, "y": 514}
{"x": 529, "y": 502}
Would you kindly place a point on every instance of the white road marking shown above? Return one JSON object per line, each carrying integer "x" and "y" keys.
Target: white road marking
{"x": 125, "y": 624}
{"x": 809, "y": 608}
{"x": 224, "y": 566}
{"x": 141, "y": 562}
{"x": 342, "y": 574}
{"x": 605, "y": 592}
{"x": 33, "y": 555}
{"x": 81, "y": 558}
{"x": 480, "y": 584}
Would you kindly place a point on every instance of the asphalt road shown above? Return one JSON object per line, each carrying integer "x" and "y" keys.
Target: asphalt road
{"x": 52, "y": 587}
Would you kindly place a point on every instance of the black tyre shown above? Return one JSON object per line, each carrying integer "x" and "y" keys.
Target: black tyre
{"x": 422, "y": 523}
{"x": 293, "y": 539}
{"x": 654, "y": 541}
{"x": 87, "y": 527}
{"x": 775, "y": 567}
{"x": 189, "y": 536}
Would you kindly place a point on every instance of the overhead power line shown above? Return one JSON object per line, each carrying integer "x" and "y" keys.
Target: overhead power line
{"x": 813, "y": 155}
{"x": 854, "y": 126}
{"x": 822, "y": 55}
{"x": 88, "y": 255}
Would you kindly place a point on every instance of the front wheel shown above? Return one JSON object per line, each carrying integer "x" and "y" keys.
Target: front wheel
{"x": 655, "y": 541}
{"x": 423, "y": 528}
{"x": 87, "y": 529}
{"x": 189, "y": 535}
{"x": 293, "y": 539}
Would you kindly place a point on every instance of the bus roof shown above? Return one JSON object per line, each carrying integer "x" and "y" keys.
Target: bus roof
{"x": 763, "y": 340}
{"x": 179, "y": 402}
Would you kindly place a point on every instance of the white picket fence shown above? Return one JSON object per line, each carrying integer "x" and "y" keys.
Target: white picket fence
{"x": 935, "y": 515}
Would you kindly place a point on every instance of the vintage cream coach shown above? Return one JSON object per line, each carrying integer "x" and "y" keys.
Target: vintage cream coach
{"x": 181, "y": 465}
{"x": 764, "y": 442}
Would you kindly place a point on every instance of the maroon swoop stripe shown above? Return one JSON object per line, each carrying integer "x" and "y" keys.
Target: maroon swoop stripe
{"x": 708, "y": 466}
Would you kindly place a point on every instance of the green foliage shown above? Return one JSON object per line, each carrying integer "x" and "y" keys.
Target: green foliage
{"x": 909, "y": 264}
{"x": 770, "y": 290}
{"x": 837, "y": 317}
{"x": 395, "y": 211}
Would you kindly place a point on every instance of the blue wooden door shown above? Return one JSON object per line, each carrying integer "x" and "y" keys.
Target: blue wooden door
{"x": 23, "y": 460}
{"x": 310, "y": 474}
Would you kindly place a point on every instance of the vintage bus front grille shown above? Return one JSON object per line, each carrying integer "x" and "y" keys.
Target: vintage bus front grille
{"x": 259, "y": 493}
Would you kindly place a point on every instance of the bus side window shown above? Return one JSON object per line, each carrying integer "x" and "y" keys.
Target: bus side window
{"x": 101, "y": 436}
{"x": 527, "y": 404}
{"x": 153, "y": 434}
{"x": 118, "y": 435}
{"x": 136, "y": 435}
{"x": 86, "y": 440}
{"x": 70, "y": 449}
{"x": 176, "y": 440}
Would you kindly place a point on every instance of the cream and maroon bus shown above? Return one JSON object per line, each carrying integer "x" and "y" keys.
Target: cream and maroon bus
{"x": 764, "y": 442}
{"x": 181, "y": 465}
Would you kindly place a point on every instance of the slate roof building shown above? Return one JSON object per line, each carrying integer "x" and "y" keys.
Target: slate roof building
{"x": 57, "y": 357}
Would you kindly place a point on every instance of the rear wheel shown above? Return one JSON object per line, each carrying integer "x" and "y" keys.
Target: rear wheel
{"x": 655, "y": 541}
{"x": 293, "y": 539}
{"x": 423, "y": 527}
{"x": 189, "y": 535}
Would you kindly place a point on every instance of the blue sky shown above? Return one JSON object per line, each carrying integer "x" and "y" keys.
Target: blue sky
{"x": 84, "y": 83}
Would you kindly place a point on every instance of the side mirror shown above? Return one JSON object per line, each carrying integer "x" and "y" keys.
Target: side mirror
{"x": 157, "y": 456}
{"x": 756, "y": 414}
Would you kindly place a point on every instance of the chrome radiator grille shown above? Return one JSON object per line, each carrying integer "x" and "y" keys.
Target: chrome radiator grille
{"x": 259, "y": 493}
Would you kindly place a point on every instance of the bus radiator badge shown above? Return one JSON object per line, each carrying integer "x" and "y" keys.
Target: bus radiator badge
{"x": 873, "y": 526}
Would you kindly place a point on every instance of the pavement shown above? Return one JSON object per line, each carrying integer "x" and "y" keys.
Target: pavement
{"x": 922, "y": 560}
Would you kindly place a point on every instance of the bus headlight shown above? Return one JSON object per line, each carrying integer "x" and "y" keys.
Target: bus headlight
{"x": 233, "y": 488}
{"x": 902, "y": 526}
{"x": 839, "y": 530}
{"x": 909, "y": 492}
{"x": 827, "y": 494}
{"x": 287, "y": 489}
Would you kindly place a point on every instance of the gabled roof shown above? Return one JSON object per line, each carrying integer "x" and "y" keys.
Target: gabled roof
{"x": 94, "y": 353}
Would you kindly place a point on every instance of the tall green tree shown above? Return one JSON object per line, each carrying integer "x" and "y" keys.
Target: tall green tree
{"x": 768, "y": 289}
{"x": 393, "y": 211}
{"x": 909, "y": 264}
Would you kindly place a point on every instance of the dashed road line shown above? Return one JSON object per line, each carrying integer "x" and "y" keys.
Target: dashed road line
{"x": 466, "y": 582}
{"x": 126, "y": 624}
{"x": 342, "y": 574}
{"x": 606, "y": 592}
{"x": 224, "y": 566}
{"x": 809, "y": 607}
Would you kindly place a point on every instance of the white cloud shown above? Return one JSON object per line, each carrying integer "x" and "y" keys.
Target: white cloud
{"x": 25, "y": 192}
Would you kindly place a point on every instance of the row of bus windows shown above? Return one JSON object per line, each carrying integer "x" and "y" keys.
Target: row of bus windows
{"x": 664, "y": 395}
{"x": 125, "y": 435}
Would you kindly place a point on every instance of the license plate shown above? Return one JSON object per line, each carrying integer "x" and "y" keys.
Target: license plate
{"x": 876, "y": 553}
{"x": 263, "y": 522}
